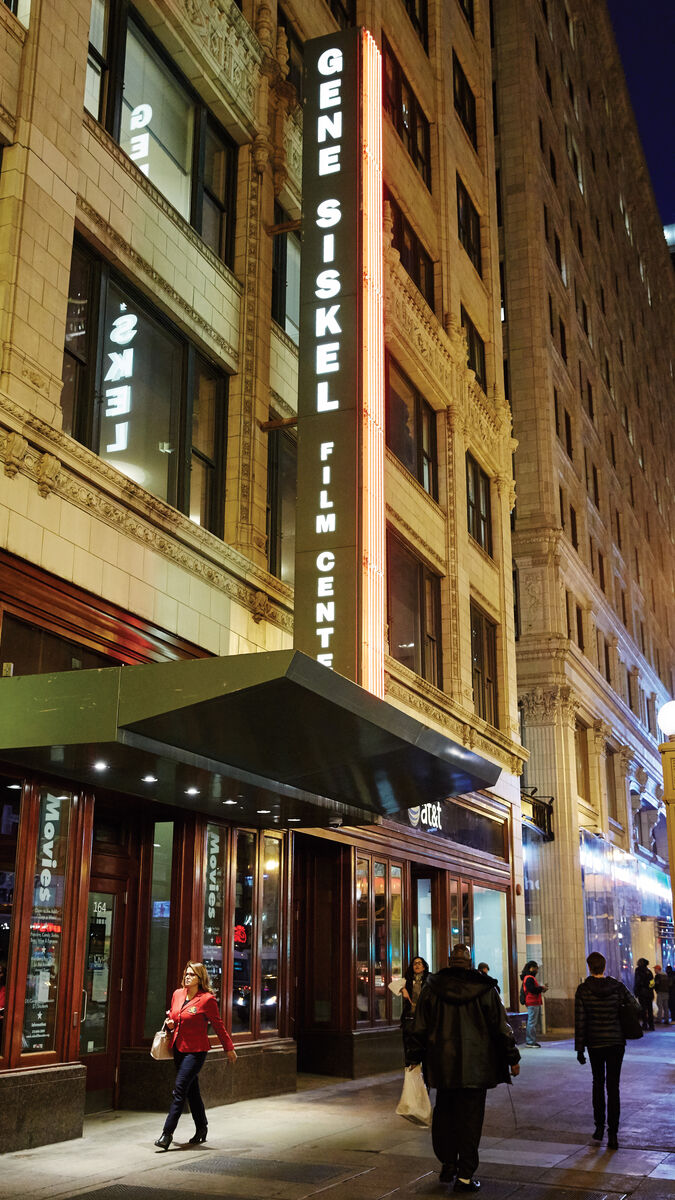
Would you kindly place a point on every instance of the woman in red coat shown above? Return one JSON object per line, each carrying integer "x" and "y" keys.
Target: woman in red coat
{"x": 193, "y": 1006}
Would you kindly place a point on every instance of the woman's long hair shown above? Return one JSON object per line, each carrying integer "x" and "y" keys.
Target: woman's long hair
{"x": 529, "y": 968}
{"x": 203, "y": 981}
{"x": 410, "y": 974}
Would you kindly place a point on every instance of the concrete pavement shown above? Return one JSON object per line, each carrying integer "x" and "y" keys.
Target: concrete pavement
{"x": 343, "y": 1141}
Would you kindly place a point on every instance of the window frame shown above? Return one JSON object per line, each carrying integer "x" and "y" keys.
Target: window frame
{"x": 120, "y": 14}
{"x": 395, "y": 88}
{"x": 422, "y": 409}
{"x": 464, "y": 101}
{"x": 484, "y": 675}
{"x": 382, "y": 859}
{"x": 479, "y": 516}
{"x": 278, "y": 440}
{"x": 469, "y": 226}
{"x": 86, "y": 416}
{"x": 280, "y": 276}
{"x": 415, "y": 260}
{"x": 428, "y": 633}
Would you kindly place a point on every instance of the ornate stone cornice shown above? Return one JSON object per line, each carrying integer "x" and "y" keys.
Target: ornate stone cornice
{"x": 7, "y": 118}
{"x": 293, "y": 150}
{"x": 601, "y": 734}
{"x": 81, "y": 478}
{"x": 139, "y": 265}
{"x": 414, "y": 537}
{"x": 224, "y": 46}
{"x": 456, "y": 722}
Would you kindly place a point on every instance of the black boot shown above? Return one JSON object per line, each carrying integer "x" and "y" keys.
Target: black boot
{"x": 164, "y": 1141}
{"x": 612, "y": 1141}
{"x": 598, "y": 1133}
{"x": 200, "y": 1135}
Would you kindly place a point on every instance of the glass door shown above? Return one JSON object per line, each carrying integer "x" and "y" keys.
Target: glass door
{"x": 102, "y": 989}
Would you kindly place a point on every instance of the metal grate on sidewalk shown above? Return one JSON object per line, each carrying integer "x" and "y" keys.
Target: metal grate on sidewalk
{"x": 265, "y": 1168}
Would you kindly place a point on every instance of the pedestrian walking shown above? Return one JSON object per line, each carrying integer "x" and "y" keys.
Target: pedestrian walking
{"x": 462, "y": 1034}
{"x": 643, "y": 987}
{"x": 597, "y": 1028}
{"x": 662, "y": 994}
{"x": 415, "y": 978}
{"x": 532, "y": 993}
{"x": 193, "y": 1006}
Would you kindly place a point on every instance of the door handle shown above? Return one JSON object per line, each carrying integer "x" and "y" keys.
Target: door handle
{"x": 85, "y": 999}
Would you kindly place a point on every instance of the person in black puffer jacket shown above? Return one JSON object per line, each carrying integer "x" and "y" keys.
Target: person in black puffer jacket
{"x": 597, "y": 1028}
{"x": 462, "y": 1034}
{"x": 643, "y": 986}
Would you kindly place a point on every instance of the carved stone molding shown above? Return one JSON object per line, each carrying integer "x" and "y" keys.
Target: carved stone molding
{"x": 293, "y": 150}
{"x": 415, "y": 539}
{"x": 262, "y": 609}
{"x": 229, "y": 47}
{"x": 543, "y": 706}
{"x": 127, "y": 255}
{"x": 14, "y": 451}
{"x": 47, "y": 470}
{"x": 601, "y": 733}
{"x": 7, "y": 118}
{"x": 81, "y": 478}
{"x": 626, "y": 760}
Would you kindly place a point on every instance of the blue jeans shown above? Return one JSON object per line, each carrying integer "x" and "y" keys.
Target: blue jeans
{"x": 186, "y": 1087}
{"x": 533, "y": 1023}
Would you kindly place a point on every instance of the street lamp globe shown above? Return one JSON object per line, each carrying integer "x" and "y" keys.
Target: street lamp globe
{"x": 666, "y": 718}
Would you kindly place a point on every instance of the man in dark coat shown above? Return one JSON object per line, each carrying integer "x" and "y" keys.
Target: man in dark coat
{"x": 597, "y": 1027}
{"x": 467, "y": 1045}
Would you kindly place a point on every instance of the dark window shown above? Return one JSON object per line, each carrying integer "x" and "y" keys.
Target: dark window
{"x": 484, "y": 665}
{"x": 32, "y": 650}
{"x": 617, "y": 517}
{"x": 135, "y": 90}
{"x": 601, "y": 570}
{"x": 295, "y": 52}
{"x": 141, "y": 396}
{"x": 414, "y": 257}
{"x": 553, "y": 166}
{"x": 546, "y": 228}
{"x": 286, "y": 277}
{"x": 465, "y": 101}
{"x": 414, "y": 612}
{"x": 282, "y": 457}
{"x": 574, "y": 534}
{"x": 569, "y": 444}
{"x": 498, "y": 188}
{"x": 558, "y": 252}
{"x": 556, "y": 412}
{"x": 411, "y": 428}
{"x": 596, "y": 486}
{"x": 407, "y": 117}
{"x": 344, "y": 12}
{"x": 589, "y": 401}
{"x": 549, "y": 87}
{"x": 475, "y": 348}
{"x": 563, "y": 338}
{"x": 467, "y": 8}
{"x": 468, "y": 225}
{"x": 551, "y": 322}
{"x": 479, "y": 514}
{"x": 561, "y": 498}
{"x": 580, "y": 627}
{"x": 417, "y": 11}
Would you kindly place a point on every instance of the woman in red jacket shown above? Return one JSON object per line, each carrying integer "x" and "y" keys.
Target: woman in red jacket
{"x": 192, "y": 1007}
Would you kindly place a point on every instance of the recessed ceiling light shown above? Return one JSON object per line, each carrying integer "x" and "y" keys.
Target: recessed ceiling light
{"x": 13, "y": 787}
{"x": 192, "y": 791}
{"x": 263, "y": 810}
{"x": 293, "y": 819}
{"x": 229, "y": 801}
{"x": 100, "y": 765}
{"x": 149, "y": 779}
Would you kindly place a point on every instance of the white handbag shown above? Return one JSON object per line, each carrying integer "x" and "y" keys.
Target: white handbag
{"x": 414, "y": 1104}
{"x": 161, "y": 1045}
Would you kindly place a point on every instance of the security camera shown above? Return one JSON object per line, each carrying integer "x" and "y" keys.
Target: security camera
{"x": 334, "y": 822}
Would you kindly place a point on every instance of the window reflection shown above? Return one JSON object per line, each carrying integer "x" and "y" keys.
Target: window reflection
{"x": 243, "y": 933}
{"x": 269, "y": 942}
{"x": 46, "y": 924}
{"x": 10, "y": 805}
{"x": 362, "y": 940}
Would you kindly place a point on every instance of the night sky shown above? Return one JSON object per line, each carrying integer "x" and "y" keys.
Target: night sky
{"x": 645, "y": 34}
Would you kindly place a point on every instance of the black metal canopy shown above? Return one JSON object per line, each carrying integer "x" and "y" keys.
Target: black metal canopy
{"x": 274, "y": 736}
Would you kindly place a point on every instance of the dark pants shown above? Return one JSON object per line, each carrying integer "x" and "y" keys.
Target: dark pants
{"x": 186, "y": 1087}
{"x": 606, "y": 1065}
{"x": 456, "y": 1127}
{"x": 645, "y": 1000}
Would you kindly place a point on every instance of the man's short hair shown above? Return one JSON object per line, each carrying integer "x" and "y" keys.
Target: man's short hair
{"x": 483, "y": 967}
{"x": 596, "y": 962}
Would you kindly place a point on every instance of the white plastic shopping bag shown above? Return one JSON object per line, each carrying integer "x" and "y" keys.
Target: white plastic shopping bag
{"x": 414, "y": 1104}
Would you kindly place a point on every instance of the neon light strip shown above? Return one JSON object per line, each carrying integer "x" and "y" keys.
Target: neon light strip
{"x": 373, "y": 527}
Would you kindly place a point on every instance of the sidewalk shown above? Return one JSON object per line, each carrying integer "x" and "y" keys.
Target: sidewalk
{"x": 343, "y": 1141}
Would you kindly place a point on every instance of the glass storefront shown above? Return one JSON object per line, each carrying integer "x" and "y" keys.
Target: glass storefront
{"x": 625, "y": 900}
{"x": 490, "y": 941}
{"x": 160, "y": 916}
{"x": 10, "y": 807}
{"x": 532, "y": 880}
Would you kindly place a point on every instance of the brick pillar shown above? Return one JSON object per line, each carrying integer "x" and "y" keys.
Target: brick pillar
{"x": 38, "y": 188}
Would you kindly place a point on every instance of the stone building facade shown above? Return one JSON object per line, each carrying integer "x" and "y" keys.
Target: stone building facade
{"x": 588, "y": 302}
{"x": 150, "y": 204}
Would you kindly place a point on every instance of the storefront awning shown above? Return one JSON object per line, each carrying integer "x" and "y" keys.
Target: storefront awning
{"x": 270, "y": 737}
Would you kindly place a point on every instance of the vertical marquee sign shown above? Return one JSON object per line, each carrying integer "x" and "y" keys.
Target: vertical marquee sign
{"x": 339, "y": 577}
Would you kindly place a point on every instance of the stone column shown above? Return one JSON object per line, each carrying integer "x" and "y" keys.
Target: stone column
{"x": 549, "y": 715}
{"x": 597, "y": 770}
{"x": 38, "y": 188}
